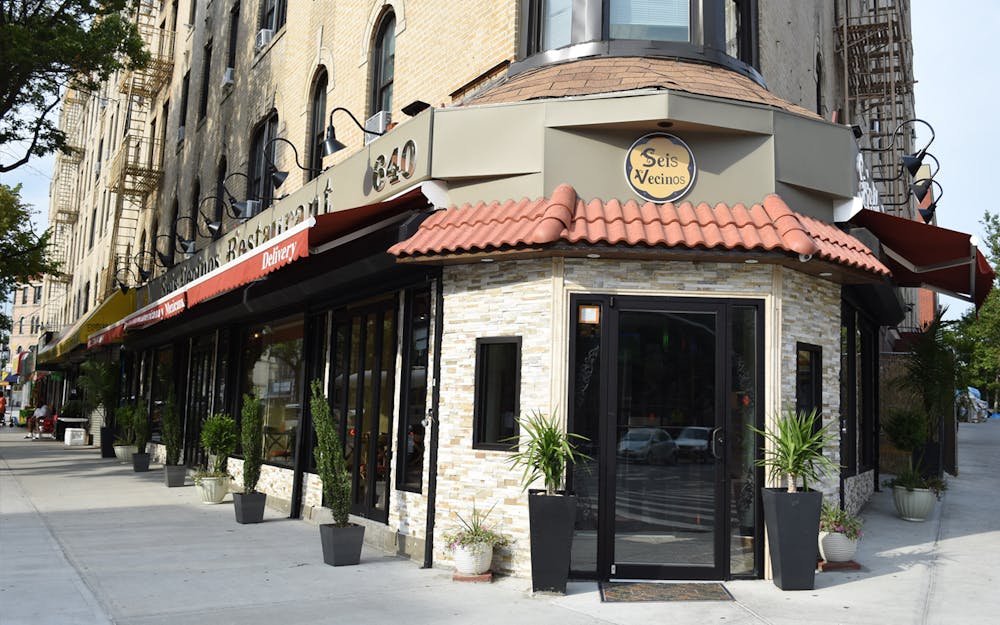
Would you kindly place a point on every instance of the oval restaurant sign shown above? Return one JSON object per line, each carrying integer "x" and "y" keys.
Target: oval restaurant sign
{"x": 660, "y": 167}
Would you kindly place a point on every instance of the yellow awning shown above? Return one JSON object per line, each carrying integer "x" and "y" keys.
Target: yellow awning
{"x": 107, "y": 312}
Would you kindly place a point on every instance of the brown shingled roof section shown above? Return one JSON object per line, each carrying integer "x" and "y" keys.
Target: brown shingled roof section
{"x": 564, "y": 218}
{"x": 611, "y": 74}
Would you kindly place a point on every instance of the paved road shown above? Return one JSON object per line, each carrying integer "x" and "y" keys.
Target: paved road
{"x": 83, "y": 540}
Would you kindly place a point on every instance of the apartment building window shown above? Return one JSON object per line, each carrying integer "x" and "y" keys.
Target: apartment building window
{"x": 185, "y": 89}
{"x": 195, "y": 209}
{"x": 86, "y": 297}
{"x": 93, "y": 228}
{"x": 38, "y": 295}
{"x": 317, "y": 125}
{"x": 383, "y": 62}
{"x": 24, "y": 296}
{"x": 220, "y": 190}
{"x": 206, "y": 71}
{"x": 164, "y": 112}
{"x": 234, "y": 31}
{"x": 273, "y": 14}
{"x": 174, "y": 10}
{"x": 34, "y": 325}
{"x": 20, "y": 325}
{"x": 261, "y": 154}
{"x": 497, "y": 392}
{"x": 193, "y": 11}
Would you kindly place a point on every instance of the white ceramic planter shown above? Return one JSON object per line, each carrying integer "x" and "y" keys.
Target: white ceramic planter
{"x": 473, "y": 559}
{"x": 124, "y": 453}
{"x": 913, "y": 505}
{"x": 835, "y": 547}
{"x": 213, "y": 489}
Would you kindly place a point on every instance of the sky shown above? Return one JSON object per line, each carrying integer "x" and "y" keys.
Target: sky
{"x": 956, "y": 92}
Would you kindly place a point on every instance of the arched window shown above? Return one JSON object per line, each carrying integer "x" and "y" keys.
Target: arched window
{"x": 220, "y": 191}
{"x": 191, "y": 227}
{"x": 317, "y": 125}
{"x": 383, "y": 60}
{"x": 171, "y": 235}
{"x": 20, "y": 325}
{"x": 259, "y": 185}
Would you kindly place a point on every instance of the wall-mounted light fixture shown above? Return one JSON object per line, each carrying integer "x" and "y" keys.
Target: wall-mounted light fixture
{"x": 909, "y": 162}
{"x": 142, "y": 260}
{"x": 166, "y": 258}
{"x": 330, "y": 144}
{"x": 121, "y": 279}
{"x": 277, "y": 176}
{"x": 919, "y": 189}
{"x": 240, "y": 210}
{"x": 214, "y": 227}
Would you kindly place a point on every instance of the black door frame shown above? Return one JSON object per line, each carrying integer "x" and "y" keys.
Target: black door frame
{"x": 610, "y": 308}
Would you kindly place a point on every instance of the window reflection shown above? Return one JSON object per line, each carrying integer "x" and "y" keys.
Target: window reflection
{"x": 653, "y": 20}
{"x": 274, "y": 371}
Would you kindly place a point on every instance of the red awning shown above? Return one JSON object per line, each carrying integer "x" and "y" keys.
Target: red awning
{"x": 922, "y": 255}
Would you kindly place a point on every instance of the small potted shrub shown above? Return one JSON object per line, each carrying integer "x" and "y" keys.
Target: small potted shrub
{"x": 218, "y": 438}
{"x": 99, "y": 381}
{"x": 473, "y": 542}
{"x": 249, "y": 504}
{"x": 839, "y": 533}
{"x": 173, "y": 439}
{"x": 794, "y": 452}
{"x": 140, "y": 431}
{"x": 341, "y": 539}
{"x": 544, "y": 453}
{"x": 124, "y": 444}
{"x": 912, "y": 493}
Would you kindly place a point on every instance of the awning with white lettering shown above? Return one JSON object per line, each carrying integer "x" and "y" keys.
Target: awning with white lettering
{"x": 166, "y": 307}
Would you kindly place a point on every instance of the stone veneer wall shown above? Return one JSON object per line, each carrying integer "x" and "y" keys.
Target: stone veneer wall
{"x": 529, "y": 298}
{"x": 858, "y": 489}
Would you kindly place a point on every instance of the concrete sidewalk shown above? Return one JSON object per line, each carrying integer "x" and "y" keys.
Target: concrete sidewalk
{"x": 85, "y": 540}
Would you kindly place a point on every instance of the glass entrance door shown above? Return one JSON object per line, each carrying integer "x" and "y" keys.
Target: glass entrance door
{"x": 667, "y": 432}
{"x": 665, "y": 390}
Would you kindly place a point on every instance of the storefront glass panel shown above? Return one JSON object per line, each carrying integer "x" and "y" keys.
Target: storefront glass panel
{"x": 162, "y": 385}
{"x": 200, "y": 387}
{"x": 274, "y": 370}
{"x": 741, "y": 469}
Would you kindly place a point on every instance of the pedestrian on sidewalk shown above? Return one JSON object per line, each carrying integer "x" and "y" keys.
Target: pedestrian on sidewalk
{"x": 42, "y": 413}
{"x": 3, "y": 409}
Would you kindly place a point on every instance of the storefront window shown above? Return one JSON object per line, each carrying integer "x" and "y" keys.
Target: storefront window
{"x": 162, "y": 383}
{"x": 809, "y": 379}
{"x": 743, "y": 445}
{"x": 414, "y": 382}
{"x": 498, "y": 383}
{"x": 273, "y": 370}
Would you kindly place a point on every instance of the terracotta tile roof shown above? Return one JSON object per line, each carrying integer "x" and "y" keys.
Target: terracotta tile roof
{"x": 564, "y": 218}
{"x": 611, "y": 74}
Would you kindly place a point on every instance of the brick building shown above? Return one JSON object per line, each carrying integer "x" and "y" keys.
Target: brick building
{"x": 655, "y": 224}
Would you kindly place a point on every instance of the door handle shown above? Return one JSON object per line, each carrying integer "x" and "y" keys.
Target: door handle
{"x": 717, "y": 441}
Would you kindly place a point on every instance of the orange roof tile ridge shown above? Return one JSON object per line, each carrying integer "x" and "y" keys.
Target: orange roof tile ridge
{"x": 794, "y": 234}
{"x": 557, "y": 216}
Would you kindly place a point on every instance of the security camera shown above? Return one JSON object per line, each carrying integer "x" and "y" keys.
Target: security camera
{"x": 805, "y": 258}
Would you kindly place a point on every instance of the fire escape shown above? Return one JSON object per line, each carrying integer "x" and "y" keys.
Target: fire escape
{"x": 137, "y": 166}
{"x": 877, "y": 56}
{"x": 65, "y": 207}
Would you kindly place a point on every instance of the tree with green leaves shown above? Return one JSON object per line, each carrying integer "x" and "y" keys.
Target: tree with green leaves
{"x": 47, "y": 46}
{"x": 24, "y": 255}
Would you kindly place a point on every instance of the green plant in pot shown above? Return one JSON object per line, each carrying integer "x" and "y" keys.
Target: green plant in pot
{"x": 472, "y": 543}
{"x": 124, "y": 442}
{"x": 930, "y": 374}
{"x": 218, "y": 438}
{"x": 793, "y": 452}
{"x": 173, "y": 439}
{"x": 545, "y": 450}
{"x": 99, "y": 381}
{"x": 341, "y": 540}
{"x": 140, "y": 430}
{"x": 249, "y": 504}
{"x": 913, "y": 494}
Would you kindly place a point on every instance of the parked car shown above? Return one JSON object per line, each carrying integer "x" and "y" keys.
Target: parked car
{"x": 648, "y": 445}
{"x": 693, "y": 443}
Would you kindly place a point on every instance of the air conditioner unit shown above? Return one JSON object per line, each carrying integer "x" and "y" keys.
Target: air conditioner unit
{"x": 264, "y": 36}
{"x": 180, "y": 133}
{"x": 376, "y": 123}
{"x": 253, "y": 207}
{"x": 229, "y": 77}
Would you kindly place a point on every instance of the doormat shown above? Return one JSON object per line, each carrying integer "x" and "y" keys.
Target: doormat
{"x": 645, "y": 591}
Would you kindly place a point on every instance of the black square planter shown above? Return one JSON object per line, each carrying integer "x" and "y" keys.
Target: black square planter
{"x": 792, "y": 521}
{"x": 249, "y": 507}
{"x": 341, "y": 545}
{"x": 551, "y": 519}
{"x": 140, "y": 462}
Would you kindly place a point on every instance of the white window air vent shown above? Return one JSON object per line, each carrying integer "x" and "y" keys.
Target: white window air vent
{"x": 180, "y": 134}
{"x": 253, "y": 207}
{"x": 378, "y": 122}
{"x": 228, "y": 77}
{"x": 264, "y": 36}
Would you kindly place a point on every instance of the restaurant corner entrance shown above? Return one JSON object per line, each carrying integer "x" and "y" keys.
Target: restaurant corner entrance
{"x": 666, "y": 389}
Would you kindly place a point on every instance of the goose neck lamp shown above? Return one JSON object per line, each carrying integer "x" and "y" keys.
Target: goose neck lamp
{"x": 910, "y": 162}
{"x": 140, "y": 261}
{"x": 121, "y": 279}
{"x": 278, "y": 176}
{"x": 240, "y": 210}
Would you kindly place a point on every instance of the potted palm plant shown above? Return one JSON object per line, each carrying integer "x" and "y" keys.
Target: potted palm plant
{"x": 794, "y": 451}
{"x": 173, "y": 439}
{"x": 249, "y": 504}
{"x": 473, "y": 542}
{"x": 341, "y": 539}
{"x": 545, "y": 451}
{"x": 140, "y": 431}
{"x": 124, "y": 441}
{"x": 218, "y": 437}
{"x": 913, "y": 494}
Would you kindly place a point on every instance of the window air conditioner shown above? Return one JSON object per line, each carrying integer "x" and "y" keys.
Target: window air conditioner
{"x": 264, "y": 36}
{"x": 180, "y": 134}
{"x": 228, "y": 77}
{"x": 376, "y": 123}
{"x": 253, "y": 207}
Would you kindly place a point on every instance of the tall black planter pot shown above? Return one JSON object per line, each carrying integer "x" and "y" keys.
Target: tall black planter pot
{"x": 550, "y": 519}
{"x": 249, "y": 507}
{"x": 107, "y": 442}
{"x": 792, "y": 521}
{"x": 140, "y": 462}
